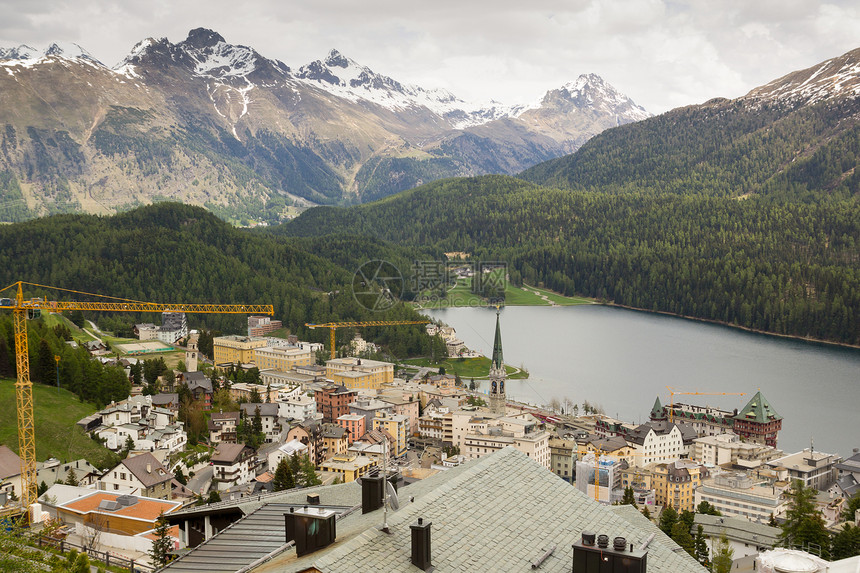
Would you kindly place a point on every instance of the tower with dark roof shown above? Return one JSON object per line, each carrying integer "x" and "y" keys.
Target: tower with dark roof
{"x": 658, "y": 412}
{"x": 498, "y": 398}
{"x": 758, "y": 422}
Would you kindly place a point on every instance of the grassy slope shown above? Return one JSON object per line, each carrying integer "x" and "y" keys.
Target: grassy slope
{"x": 56, "y": 433}
{"x": 461, "y": 296}
{"x": 467, "y": 367}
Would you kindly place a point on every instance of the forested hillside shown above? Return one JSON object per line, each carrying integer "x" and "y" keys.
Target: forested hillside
{"x": 783, "y": 267}
{"x": 722, "y": 148}
{"x": 175, "y": 253}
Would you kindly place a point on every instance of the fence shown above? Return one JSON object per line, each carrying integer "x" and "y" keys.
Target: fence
{"x": 108, "y": 559}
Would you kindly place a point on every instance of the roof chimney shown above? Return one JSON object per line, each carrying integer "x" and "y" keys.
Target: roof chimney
{"x": 149, "y": 468}
{"x": 588, "y": 558}
{"x": 371, "y": 493}
{"x": 421, "y": 544}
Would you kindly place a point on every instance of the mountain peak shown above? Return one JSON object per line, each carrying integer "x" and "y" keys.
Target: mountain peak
{"x": 336, "y": 59}
{"x": 201, "y": 38}
{"x": 61, "y": 50}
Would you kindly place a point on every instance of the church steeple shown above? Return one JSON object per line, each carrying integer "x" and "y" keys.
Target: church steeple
{"x": 498, "y": 362}
{"x": 498, "y": 396}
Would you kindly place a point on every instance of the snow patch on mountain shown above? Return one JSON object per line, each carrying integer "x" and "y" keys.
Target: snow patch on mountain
{"x": 344, "y": 77}
{"x": 834, "y": 78}
{"x": 592, "y": 91}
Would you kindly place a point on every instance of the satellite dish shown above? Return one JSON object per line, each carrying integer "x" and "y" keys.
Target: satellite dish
{"x": 392, "y": 496}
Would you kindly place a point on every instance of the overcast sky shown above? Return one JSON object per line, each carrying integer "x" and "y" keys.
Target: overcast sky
{"x": 661, "y": 53}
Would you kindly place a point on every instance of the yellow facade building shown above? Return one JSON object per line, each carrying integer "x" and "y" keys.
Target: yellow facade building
{"x": 360, "y": 372}
{"x": 282, "y": 359}
{"x": 234, "y": 348}
{"x": 348, "y": 466}
{"x": 675, "y": 484}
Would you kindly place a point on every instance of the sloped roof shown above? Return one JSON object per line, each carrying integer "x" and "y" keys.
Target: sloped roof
{"x": 531, "y": 510}
{"x": 266, "y": 409}
{"x": 758, "y": 409}
{"x": 229, "y": 453}
{"x": 138, "y": 464}
{"x": 657, "y": 410}
{"x": 10, "y": 463}
{"x": 737, "y": 529}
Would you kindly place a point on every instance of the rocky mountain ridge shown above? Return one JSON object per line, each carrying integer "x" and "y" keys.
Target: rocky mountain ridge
{"x": 208, "y": 122}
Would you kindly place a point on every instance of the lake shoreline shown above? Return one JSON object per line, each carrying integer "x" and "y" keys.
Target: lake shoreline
{"x": 828, "y": 343}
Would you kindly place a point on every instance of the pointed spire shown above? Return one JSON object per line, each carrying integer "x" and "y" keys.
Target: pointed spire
{"x": 758, "y": 409}
{"x": 498, "y": 362}
{"x": 657, "y": 412}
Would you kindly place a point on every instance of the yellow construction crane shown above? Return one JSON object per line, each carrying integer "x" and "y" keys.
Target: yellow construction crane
{"x": 22, "y": 309}
{"x": 673, "y": 393}
{"x": 332, "y": 326}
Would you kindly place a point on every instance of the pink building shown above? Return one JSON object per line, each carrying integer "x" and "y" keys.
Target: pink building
{"x": 354, "y": 424}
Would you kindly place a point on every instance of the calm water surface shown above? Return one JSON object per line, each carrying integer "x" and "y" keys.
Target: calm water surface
{"x": 622, "y": 359}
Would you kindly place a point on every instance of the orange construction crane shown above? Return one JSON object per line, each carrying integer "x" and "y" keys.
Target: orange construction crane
{"x": 31, "y": 308}
{"x": 673, "y": 393}
{"x": 332, "y": 326}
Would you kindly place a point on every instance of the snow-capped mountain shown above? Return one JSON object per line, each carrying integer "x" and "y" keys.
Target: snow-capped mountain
{"x": 593, "y": 92}
{"x": 27, "y": 56}
{"x": 834, "y": 78}
{"x": 246, "y": 129}
{"x": 344, "y": 77}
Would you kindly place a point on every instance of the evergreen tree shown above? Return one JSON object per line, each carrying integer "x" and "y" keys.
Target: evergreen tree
{"x": 162, "y": 544}
{"x": 846, "y": 543}
{"x": 255, "y": 396}
{"x": 681, "y": 536}
{"x": 43, "y": 487}
{"x": 71, "y": 477}
{"x": 129, "y": 446}
{"x": 180, "y": 476}
{"x": 7, "y": 365}
{"x": 850, "y": 508}
{"x": 81, "y": 564}
{"x": 707, "y": 509}
{"x": 307, "y": 475}
{"x": 646, "y": 512}
{"x": 701, "y": 546}
{"x": 629, "y": 497}
{"x": 214, "y": 496}
{"x": 804, "y": 525}
{"x": 668, "y": 519}
{"x": 723, "y": 555}
{"x": 284, "y": 478}
{"x": 44, "y": 370}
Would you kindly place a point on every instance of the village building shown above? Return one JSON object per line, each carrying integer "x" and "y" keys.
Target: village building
{"x": 737, "y": 494}
{"x": 223, "y": 427}
{"x": 232, "y": 465}
{"x": 234, "y": 349}
{"x": 814, "y": 469}
{"x": 730, "y": 449}
{"x": 395, "y": 426}
{"x": 299, "y": 407}
{"x": 282, "y": 359}
{"x": 111, "y": 513}
{"x": 141, "y": 475}
{"x": 333, "y": 401}
{"x": 675, "y": 483}
{"x": 360, "y": 372}
{"x": 354, "y": 424}
{"x": 262, "y": 325}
